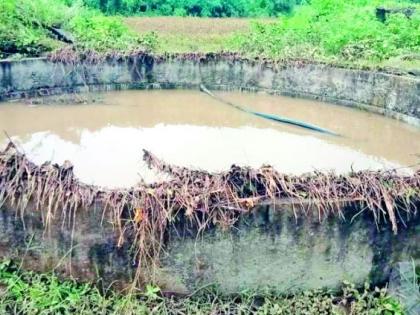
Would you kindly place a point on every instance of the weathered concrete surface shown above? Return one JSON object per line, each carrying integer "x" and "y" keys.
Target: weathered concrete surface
{"x": 268, "y": 248}
{"x": 397, "y": 96}
{"x": 86, "y": 250}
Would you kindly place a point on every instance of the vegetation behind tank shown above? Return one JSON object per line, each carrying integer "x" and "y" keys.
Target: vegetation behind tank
{"x": 347, "y": 33}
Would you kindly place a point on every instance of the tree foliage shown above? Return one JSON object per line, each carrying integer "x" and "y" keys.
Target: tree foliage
{"x": 203, "y": 8}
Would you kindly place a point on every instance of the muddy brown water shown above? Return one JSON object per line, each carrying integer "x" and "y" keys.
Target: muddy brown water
{"x": 104, "y": 139}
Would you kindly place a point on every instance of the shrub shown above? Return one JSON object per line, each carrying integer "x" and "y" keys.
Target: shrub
{"x": 25, "y": 28}
{"x": 101, "y": 33}
{"x": 335, "y": 29}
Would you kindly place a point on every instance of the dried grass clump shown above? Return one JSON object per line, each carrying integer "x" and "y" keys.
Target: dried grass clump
{"x": 141, "y": 214}
{"x": 70, "y": 55}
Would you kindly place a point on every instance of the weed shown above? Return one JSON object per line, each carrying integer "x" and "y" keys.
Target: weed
{"x": 29, "y": 27}
{"x": 34, "y": 293}
{"x": 346, "y": 32}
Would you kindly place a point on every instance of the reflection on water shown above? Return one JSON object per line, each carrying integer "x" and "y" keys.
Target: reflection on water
{"x": 105, "y": 141}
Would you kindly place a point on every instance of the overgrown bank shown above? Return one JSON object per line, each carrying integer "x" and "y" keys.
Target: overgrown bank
{"x": 33, "y": 28}
{"x": 200, "y": 8}
{"x": 345, "y": 32}
{"x": 338, "y": 32}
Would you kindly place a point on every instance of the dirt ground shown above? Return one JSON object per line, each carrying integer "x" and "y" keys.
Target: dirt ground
{"x": 186, "y": 34}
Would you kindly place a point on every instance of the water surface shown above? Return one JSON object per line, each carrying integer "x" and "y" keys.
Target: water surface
{"x": 104, "y": 140}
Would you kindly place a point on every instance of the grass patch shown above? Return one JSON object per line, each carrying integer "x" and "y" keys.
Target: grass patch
{"x": 44, "y": 293}
{"x": 345, "y": 33}
{"x": 340, "y": 32}
{"x": 28, "y": 28}
{"x": 23, "y": 26}
{"x": 192, "y": 34}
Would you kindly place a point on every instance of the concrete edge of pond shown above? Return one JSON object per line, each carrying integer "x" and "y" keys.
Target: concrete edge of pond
{"x": 267, "y": 248}
{"x": 396, "y": 96}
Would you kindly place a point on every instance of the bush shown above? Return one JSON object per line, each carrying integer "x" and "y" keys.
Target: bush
{"x": 335, "y": 29}
{"x": 101, "y": 33}
{"x": 22, "y": 26}
{"x": 25, "y": 28}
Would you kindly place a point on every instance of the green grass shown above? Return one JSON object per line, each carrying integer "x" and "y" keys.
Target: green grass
{"x": 24, "y": 29}
{"x": 340, "y": 32}
{"x": 21, "y": 26}
{"x": 36, "y": 293}
{"x": 345, "y": 33}
{"x": 100, "y": 33}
